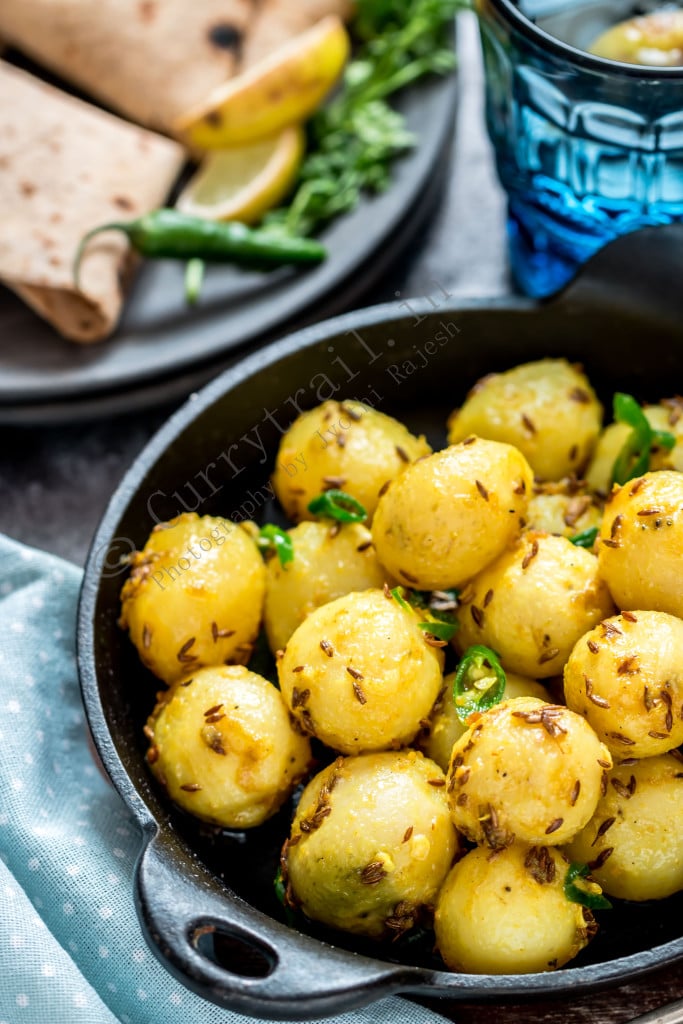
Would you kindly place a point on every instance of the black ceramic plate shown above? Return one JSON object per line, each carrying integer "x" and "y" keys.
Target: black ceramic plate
{"x": 206, "y": 898}
{"x": 162, "y": 348}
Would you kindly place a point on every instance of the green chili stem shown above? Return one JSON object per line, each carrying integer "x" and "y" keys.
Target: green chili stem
{"x": 194, "y": 279}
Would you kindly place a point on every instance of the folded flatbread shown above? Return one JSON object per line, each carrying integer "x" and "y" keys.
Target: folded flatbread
{"x": 277, "y": 21}
{"x": 66, "y": 167}
{"x": 153, "y": 60}
{"x": 150, "y": 60}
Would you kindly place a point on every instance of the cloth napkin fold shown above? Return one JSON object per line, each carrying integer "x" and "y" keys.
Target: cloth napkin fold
{"x": 71, "y": 949}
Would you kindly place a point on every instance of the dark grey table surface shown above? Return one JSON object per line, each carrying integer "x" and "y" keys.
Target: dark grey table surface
{"x": 55, "y": 481}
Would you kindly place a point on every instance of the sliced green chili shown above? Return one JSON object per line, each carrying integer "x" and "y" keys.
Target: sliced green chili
{"x": 397, "y": 594}
{"x": 440, "y": 606}
{"x": 441, "y": 630}
{"x": 585, "y": 539}
{"x": 279, "y": 886}
{"x": 281, "y": 896}
{"x": 273, "y": 538}
{"x": 578, "y": 891}
{"x": 194, "y": 279}
{"x": 479, "y": 681}
{"x": 634, "y": 458}
{"x": 338, "y": 505}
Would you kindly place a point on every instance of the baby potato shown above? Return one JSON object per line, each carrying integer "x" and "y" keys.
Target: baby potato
{"x": 328, "y": 563}
{"x": 547, "y": 409}
{"x": 640, "y": 550}
{"x": 533, "y": 603}
{"x": 509, "y": 914}
{"x": 626, "y": 678}
{"x": 445, "y": 727}
{"x": 452, "y": 513}
{"x": 194, "y": 596}
{"x": 359, "y": 674}
{"x": 660, "y": 417}
{"x": 634, "y": 842}
{"x": 525, "y": 770}
{"x": 655, "y": 39}
{"x": 563, "y": 508}
{"x": 222, "y": 744}
{"x": 343, "y": 445}
{"x": 371, "y": 843}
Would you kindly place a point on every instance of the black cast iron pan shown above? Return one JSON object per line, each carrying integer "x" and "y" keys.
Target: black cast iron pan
{"x": 205, "y": 898}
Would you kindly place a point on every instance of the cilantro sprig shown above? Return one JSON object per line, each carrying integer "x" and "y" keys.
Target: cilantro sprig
{"x": 354, "y": 139}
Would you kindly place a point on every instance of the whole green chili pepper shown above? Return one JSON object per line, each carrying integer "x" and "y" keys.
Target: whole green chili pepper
{"x": 170, "y": 234}
{"x": 634, "y": 458}
{"x": 479, "y": 681}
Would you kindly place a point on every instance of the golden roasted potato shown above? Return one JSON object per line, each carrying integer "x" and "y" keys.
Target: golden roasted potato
{"x": 634, "y": 842}
{"x": 654, "y": 39}
{"x": 547, "y": 409}
{"x": 328, "y": 563}
{"x": 533, "y": 603}
{"x": 371, "y": 843}
{"x": 509, "y": 914}
{"x": 359, "y": 674}
{"x": 563, "y": 508}
{"x": 342, "y": 445}
{"x": 222, "y": 744}
{"x": 445, "y": 727}
{"x": 626, "y": 678}
{"x": 640, "y": 551}
{"x": 449, "y": 515}
{"x": 525, "y": 770}
{"x": 194, "y": 596}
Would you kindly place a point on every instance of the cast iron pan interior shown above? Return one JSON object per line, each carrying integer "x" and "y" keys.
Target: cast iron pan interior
{"x": 206, "y": 898}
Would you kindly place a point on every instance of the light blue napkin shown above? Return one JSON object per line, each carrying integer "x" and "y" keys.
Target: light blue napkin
{"x": 71, "y": 949}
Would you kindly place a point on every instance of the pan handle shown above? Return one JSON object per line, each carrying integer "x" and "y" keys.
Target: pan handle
{"x": 265, "y": 969}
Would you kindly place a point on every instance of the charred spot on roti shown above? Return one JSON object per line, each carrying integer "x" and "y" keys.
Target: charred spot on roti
{"x": 27, "y": 188}
{"x": 147, "y": 10}
{"x": 123, "y": 202}
{"x": 225, "y": 36}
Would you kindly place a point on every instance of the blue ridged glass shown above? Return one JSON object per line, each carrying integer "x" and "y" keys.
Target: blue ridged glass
{"x": 587, "y": 149}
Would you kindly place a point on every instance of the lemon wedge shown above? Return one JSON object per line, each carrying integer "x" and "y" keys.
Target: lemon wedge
{"x": 283, "y": 89}
{"x": 243, "y": 182}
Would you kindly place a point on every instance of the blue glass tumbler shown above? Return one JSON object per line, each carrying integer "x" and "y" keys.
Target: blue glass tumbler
{"x": 586, "y": 148}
